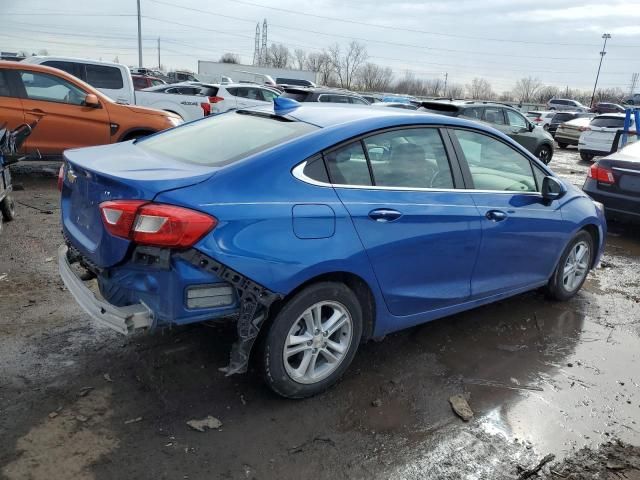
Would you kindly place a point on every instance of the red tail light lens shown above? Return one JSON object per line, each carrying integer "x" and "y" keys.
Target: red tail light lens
{"x": 215, "y": 99}
{"x": 539, "y": 119}
{"x": 601, "y": 174}
{"x": 61, "y": 177}
{"x": 206, "y": 108}
{"x": 584, "y": 129}
{"x": 155, "y": 224}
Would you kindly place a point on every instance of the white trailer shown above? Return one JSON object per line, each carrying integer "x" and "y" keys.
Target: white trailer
{"x": 214, "y": 71}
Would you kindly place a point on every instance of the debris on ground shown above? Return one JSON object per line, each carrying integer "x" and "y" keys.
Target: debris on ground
{"x": 300, "y": 448}
{"x": 376, "y": 403}
{"x": 53, "y": 414}
{"x": 211, "y": 423}
{"x": 614, "y": 459}
{"x": 81, "y": 418}
{"x": 84, "y": 391}
{"x": 461, "y": 407}
{"x": 133, "y": 420}
{"x": 523, "y": 474}
{"x": 107, "y": 377}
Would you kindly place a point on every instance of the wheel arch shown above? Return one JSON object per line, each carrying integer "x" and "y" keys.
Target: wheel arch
{"x": 135, "y": 132}
{"x": 593, "y": 230}
{"x": 356, "y": 283}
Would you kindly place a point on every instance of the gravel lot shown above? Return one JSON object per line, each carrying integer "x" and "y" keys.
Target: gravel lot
{"x": 78, "y": 401}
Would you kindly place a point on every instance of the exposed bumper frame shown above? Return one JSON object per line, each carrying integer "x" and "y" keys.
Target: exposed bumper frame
{"x": 121, "y": 319}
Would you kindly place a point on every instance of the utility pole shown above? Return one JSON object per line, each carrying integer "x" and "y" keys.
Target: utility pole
{"x": 139, "y": 36}
{"x": 634, "y": 83}
{"x": 159, "y": 63}
{"x": 606, "y": 37}
{"x": 446, "y": 77}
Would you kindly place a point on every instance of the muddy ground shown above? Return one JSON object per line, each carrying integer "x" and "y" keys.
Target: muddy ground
{"x": 79, "y": 401}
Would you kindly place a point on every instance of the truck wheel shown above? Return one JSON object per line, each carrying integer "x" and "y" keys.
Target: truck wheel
{"x": 312, "y": 340}
{"x": 572, "y": 269}
{"x": 587, "y": 157}
{"x": 8, "y": 208}
{"x": 544, "y": 153}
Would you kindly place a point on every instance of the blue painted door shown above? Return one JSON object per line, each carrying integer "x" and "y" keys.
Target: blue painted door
{"x": 522, "y": 235}
{"x": 421, "y": 236}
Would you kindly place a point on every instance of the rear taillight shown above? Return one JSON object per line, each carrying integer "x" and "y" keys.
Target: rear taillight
{"x": 215, "y": 99}
{"x": 155, "y": 224}
{"x": 206, "y": 108}
{"x": 61, "y": 177}
{"x": 584, "y": 129}
{"x": 601, "y": 174}
{"x": 537, "y": 119}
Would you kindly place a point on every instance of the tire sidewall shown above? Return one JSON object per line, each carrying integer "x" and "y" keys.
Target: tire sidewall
{"x": 274, "y": 370}
{"x": 556, "y": 285}
{"x": 539, "y": 151}
{"x": 7, "y": 208}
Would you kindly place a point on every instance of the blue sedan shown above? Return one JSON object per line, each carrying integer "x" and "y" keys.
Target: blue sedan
{"x": 316, "y": 228}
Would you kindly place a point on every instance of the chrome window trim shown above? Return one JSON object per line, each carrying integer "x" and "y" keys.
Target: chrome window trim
{"x": 298, "y": 172}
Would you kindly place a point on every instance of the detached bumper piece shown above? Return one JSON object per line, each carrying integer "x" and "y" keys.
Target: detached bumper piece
{"x": 254, "y": 299}
{"x": 125, "y": 320}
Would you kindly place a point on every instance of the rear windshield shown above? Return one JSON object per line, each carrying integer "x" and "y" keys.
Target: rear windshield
{"x": 608, "y": 122}
{"x": 292, "y": 81}
{"x": 563, "y": 117}
{"x": 209, "y": 91}
{"x": 297, "y": 96}
{"x": 223, "y": 139}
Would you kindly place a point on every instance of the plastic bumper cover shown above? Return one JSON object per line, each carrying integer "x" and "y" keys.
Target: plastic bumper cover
{"x": 121, "y": 319}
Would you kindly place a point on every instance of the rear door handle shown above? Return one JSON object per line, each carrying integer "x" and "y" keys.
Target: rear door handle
{"x": 384, "y": 215}
{"x": 496, "y": 215}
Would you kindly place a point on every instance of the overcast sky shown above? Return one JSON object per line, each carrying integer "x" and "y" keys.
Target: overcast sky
{"x": 501, "y": 40}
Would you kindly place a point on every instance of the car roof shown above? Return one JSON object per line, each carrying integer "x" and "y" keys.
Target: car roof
{"x": 303, "y": 89}
{"x": 72, "y": 59}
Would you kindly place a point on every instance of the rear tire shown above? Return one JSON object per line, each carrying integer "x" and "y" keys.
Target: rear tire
{"x": 8, "y": 208}
{"x": 563, "y": 145}
{"x": 587, "y": 157}
{"x": 544, "y": 153}
{"x": 573, "y": 268}
{"x": 304, "y": 352}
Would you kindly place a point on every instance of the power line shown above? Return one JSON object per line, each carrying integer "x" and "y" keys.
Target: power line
{"x": 68, "y": 14}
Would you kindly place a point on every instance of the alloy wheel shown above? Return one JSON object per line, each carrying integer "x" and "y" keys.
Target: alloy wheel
{"x": 576, "y": 266}
{"x": 317, "y": 342}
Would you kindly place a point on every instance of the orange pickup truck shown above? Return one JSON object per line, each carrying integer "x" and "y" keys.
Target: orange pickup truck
{"x": 70, "y": 113}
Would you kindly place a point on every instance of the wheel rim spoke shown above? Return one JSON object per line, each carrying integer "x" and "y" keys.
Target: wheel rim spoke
{"x": 576, "y": 266}
{"x": 331, "y": 358}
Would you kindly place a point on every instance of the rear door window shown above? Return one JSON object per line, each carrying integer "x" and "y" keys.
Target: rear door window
{"x": 102, "y": 76}
{"x": 229, "y": 138}
{"x": 474, "y": 113}
{"x": 330, "y": 98}
{"x": 358, "y": 101}
{"x": 494, "y": 115}
{"x": 409, "y": 158}
{"x": 347, "y": 165}
{"x": 5, "y": 91}
{"x": 68, "y": 67}
{"x": 297, "y": 96}
{"x": 608, "y": 122}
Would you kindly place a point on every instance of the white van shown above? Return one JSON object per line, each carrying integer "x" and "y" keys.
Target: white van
{"x": 114, "y": 80}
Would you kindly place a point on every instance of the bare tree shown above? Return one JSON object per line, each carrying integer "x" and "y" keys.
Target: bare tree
{"x": 374, "y": 78}
{"x": 314, "y": 61}
{"x": 278, "y": 56}
{"x": 348, "y": 63}
{"x": 526, "y": 88}
{"x": 454, "y": 90}
{"x": 44, "y": 52}
{"x": 480, "y": 88}
{"x": 230, "y": 58}
{"x": 300, "y": 57}
{"x": 410, "y": 85}
{"x": 544, "y": 94}
{"x": 433, "y": 87}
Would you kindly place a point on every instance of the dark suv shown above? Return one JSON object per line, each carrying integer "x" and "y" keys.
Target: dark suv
{"x": 329, "y": 95}
{"x": 506, "y": 119}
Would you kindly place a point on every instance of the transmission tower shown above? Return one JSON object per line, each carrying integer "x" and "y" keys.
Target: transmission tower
{"x": 634, "y": 83}
{"x": 256, "y": 50}
{"x": 263, "y": 51}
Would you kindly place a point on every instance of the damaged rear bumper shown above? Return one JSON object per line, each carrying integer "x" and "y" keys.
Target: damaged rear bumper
{"x": 125, "y": 320}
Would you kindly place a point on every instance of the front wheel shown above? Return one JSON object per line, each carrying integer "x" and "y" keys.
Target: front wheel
{"x": 587, "y": 157}
{"x": 544, "y": 153}
{"x": 312, "y": 340}
{"x": 8, "y": 208}
{"x": 573, "y": 267}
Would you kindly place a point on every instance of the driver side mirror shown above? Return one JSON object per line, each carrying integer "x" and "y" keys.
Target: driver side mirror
{"x": 531, "y": 127}
{"x": 91, "y": 100}
{"x": 552, "y": 188}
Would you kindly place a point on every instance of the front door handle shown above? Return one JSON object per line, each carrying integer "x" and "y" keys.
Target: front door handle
{"x": 496, "y": 215}
{"x": 36, "y": 111}
{"x": 384, "y": 215}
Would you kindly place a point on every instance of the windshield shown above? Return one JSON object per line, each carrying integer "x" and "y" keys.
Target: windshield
{"x": 608, "y": 122}
{"x": 223, "y": 139}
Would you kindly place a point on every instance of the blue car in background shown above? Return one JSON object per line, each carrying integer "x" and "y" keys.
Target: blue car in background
{"x": 317, "y": 227}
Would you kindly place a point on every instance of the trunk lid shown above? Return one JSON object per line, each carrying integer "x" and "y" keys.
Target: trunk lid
{"x": 113, "y": 172}
{"x": 625, "y": 165}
